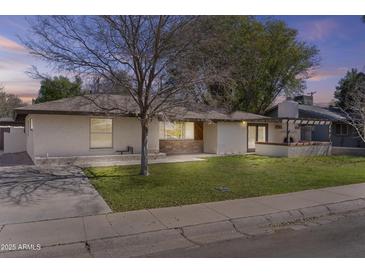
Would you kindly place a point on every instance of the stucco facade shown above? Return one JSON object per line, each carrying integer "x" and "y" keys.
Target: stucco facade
{"x": 277, "y": 132}
{"x": 14, "y": 140}
{"x": 71, "y": 127}
{"x": 210, "y": 137}
{"x": 290, "y": 151}
{"x": 69, "y": 135}
{"x": 53, "y": 135}
{"x": 231, "y": 137}
{"x": 225, "y": 138}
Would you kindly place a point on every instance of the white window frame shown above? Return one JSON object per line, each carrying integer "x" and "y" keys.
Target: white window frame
{"x": 91, "y": 133}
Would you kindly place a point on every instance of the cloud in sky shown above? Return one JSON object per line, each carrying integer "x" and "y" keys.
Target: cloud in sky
{"x": 10, "y": 45}
{"x": 14, "y": 62}
{"x": 319, "y": 75}
{"x": 321, "y": 29}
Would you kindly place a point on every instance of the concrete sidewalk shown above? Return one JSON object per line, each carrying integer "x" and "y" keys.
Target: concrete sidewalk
{"x": 142, "y": 232}
{"x": 181, "y": 158}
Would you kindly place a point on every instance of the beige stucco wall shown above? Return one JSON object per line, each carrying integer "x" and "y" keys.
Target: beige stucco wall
{"x": 231, "y": 138}
{"x": 293, "y": 151}
{"x": 210, "y": 137}
{"x": 69, "y": 135}
{"x": 225, "y": 137}
{"x": 277, "y": 135}
{"x": 271, "y": 150}
{"x": 14, "y": 141}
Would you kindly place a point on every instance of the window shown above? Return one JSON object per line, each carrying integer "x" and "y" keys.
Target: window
{"x": 101, "y": 133}
{"x": 28, "y": 126}
{"x": 177, "y": 130}
{"x": 306, "y": 133}
{"x": 341, "y": 129}
{"x": 261, "y": 134}
{"x": 31, "y": 124}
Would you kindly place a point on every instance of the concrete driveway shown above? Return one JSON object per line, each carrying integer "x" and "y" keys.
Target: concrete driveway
{"x": 15, "y": 159}
{"x": 31, "y": 193}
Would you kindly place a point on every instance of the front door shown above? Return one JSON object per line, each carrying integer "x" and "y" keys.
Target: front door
{"x": 255, "y": 133}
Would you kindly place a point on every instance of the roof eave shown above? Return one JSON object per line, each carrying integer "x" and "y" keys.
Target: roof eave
{"x": 58, "y": 112}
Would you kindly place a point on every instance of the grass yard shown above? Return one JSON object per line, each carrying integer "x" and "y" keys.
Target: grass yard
{"x": 244, "y": 176}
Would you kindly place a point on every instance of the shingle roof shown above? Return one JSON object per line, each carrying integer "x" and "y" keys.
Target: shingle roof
{"x": 121, "y": 105}
{"x": 8, "y": 121}
{"x": 308, "y": 111}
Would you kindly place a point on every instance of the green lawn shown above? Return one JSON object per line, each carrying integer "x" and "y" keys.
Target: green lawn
{"x": 196, "y": 182}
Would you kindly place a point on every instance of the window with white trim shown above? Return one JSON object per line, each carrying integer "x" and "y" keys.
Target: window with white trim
{"x": 101, "y": 133}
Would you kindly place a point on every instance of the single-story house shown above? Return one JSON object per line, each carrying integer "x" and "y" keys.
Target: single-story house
{"x": 76, "y": 127}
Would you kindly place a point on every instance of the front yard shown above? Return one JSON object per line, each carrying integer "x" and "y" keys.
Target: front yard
{"x": 221, "y": 178}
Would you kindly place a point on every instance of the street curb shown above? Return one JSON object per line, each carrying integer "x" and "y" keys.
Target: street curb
{"x": 346, "y": 206}
{"x": 302, "y": 214}
{"x": 266, "y": 224}
{"x": 140, "y": 244}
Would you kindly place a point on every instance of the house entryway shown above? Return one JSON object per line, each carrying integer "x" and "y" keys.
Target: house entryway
{"x": 256, "y": 133}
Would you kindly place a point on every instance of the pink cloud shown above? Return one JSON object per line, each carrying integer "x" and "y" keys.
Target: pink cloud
{"x": 319, "y": 75}
{"x": 10, "y": 45}
{"x": 319, "y": 29}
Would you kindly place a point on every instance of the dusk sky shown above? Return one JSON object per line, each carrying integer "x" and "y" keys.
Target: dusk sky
{"x": 340, "y": 39}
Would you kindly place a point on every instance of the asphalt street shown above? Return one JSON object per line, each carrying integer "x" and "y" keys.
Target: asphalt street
{"x": 342, "y": 238}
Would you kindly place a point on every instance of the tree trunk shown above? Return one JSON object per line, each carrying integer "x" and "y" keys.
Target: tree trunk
{"x": 144, "y": 148}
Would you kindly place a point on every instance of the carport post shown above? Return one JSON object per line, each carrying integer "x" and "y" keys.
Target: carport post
{"x": 329, "y": 131}
{"x": 287, "y": 131}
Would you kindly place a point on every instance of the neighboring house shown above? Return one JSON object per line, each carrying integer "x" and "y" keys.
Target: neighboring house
{"x": 340, "y": 133}
{"x": 77, "y": 127}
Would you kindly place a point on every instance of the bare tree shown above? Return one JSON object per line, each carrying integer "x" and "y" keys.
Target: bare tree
{"x": 354, "y": 109}
{"x": 350, "y": 100}
{"x": 144, "y": 48}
